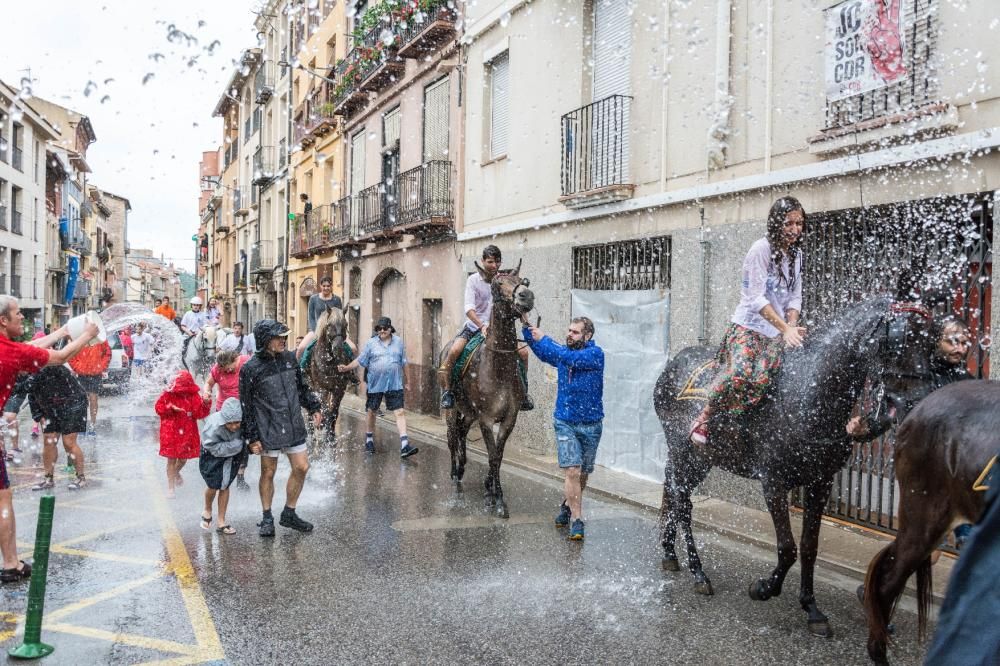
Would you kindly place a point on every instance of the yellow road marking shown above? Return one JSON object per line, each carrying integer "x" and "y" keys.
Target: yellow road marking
{"x": 90, "y": 536}
{"x": 180, "y": 564}
{"x": 79, "y": 552}
{"x": 76, "y": 606}
{"x": 126, "y": 639}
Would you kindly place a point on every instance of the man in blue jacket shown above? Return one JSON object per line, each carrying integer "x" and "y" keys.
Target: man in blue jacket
{"x": 579, "y": 413}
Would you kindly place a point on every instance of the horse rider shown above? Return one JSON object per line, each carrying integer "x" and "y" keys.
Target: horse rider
{"x": 767, "y": 315}
{"x": 318, "y": 304}
{"x": 478, "y": 308}
{"x": 193, "y": 321}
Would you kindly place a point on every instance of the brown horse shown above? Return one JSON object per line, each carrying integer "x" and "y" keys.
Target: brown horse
{"x": 942, "y": 449}
{"x": 329, "y": 352}
{"x": 490, "y": 391}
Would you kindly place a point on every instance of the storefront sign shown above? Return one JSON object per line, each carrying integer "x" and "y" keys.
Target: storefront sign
{"x": 864, "y": 47}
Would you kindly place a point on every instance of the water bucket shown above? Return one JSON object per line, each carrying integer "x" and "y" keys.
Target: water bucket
{"x": 76, "y": 324}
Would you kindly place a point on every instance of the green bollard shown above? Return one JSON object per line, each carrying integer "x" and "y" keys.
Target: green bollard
{"x": 33, "y": 647}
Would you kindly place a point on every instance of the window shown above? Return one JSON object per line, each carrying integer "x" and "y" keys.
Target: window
{"x": 358, "y": 162}
{"x": 638, "y": 264}
{"x": 391, "y": 128}
{"x": 436, "y": 121}
{"x": 498, "y": 71}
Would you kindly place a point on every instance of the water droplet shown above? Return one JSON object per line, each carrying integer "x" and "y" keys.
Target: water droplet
{"x": 146, "y": 79}
{"x": 504, "y": 20}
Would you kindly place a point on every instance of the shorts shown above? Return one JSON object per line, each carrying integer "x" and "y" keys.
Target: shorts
{"x": 90, "y": 383}
{"x": 577, "y": 443}
{"x": 274, "y": 453}
{"x": 467, "y": 333}
{"x": 138, "y": 362}
{"x": 393, "y": 400}
{"x": 68, "y": 421}
{"x": 14, "y": 403}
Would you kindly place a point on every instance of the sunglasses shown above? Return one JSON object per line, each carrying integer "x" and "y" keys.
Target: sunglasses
{"x": 383, "y": 328}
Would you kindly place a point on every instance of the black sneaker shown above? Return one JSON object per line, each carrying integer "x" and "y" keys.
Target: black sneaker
{"x": 241, "y": 483}
{"x": 407, "y": 451}
{"x": 562, "y": 518}
{"x": 527, "y": 404}
{"x": 370, "y": 446}
{"x": 267, "y": 527}
{"x": 292, "y": 520}
{"x": 447, "y": 400}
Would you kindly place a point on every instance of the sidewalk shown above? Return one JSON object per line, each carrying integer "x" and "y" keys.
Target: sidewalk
{"x": 846, "y": 550}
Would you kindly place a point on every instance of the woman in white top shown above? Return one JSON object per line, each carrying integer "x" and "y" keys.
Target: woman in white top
{"x": 767, "y": 316}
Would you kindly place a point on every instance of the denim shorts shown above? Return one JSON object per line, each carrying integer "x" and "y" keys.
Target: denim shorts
{"x": 577, "y": 443}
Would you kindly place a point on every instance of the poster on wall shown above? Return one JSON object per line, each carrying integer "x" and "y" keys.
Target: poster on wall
{"x": 864, "y": 47}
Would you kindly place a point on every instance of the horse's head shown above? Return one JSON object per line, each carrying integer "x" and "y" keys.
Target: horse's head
{"x": 208, "y": 335}
{"x": 511, "y": 289}
{"x": 905, "y": 347}
{"x": 331, "y": 327}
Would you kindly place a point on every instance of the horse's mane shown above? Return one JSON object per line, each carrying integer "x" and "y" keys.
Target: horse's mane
{"x": 324, "y": 320}
{"x": 848, "y": 321}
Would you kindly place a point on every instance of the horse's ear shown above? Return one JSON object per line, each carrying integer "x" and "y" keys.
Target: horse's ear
{"x": 518, "y": 269}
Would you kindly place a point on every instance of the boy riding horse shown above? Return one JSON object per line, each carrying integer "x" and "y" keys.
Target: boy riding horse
{"x": 478, "y": 305}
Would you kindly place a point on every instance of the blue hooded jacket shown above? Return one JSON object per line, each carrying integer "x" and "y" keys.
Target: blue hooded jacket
{"x": 580, "y": 396}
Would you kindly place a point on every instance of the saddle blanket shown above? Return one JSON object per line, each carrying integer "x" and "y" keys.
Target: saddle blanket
{"x": 697, "y": 384}
{"x": 307, "y": 354}
{"x": 462, "y": 364}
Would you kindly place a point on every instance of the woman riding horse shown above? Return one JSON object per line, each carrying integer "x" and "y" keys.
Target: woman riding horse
{"x": 768, "y": 314}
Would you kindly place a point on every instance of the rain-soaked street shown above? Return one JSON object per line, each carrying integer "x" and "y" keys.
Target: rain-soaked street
{"x": 401, "y": 568}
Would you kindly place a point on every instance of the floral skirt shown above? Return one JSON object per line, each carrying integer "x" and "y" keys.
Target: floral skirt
{"x": 747, "y": 362}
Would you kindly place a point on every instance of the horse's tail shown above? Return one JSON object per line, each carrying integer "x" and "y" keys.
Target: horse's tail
{"x": 878, "y": 618}
{"x": 924, "y": 588}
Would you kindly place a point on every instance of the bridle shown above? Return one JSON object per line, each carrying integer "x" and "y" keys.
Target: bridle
{"x": 516, "y": 313}
{"x": 894, "y": 339}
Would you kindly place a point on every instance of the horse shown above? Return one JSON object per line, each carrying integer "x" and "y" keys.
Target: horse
{"x": 199, "y": 355}
{"x": 795, "y": 437}
{"x": 943, "y": 450}
{"x": 491, "y": 391}
{"x": 330, "y": 351}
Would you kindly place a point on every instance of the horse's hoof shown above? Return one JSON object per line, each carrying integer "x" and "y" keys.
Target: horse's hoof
{"x": 670, "y": 564}
{"x": 502, "y": 510}
{"x": 757, "y": 592}
{"x": 704, "y": 587}
{"x": 877, "y": 653}
{"x": 820, "y": 628}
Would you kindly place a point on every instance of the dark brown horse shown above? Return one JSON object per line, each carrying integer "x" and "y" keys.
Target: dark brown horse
{"x": 942, "y": 449}
{"x": 329, "y": 352}
{"x": 490, "y": 392}
{"x": 795, "y": 438}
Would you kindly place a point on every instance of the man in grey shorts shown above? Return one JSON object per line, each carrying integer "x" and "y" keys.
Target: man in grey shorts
{"x": 273, "y": 394}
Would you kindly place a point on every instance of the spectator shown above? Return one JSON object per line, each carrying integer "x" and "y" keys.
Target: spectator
{"x": 226, "y": 375}
{"x": 142, "y": 347}
{"x": 244, "y": 342}
{"x": 179, "y": 408}
{"x": 222, "y": 452}
{"x": 10, "y": 410}
{"x": 213, "y": 314}
{"x": 164, "y": 309}
{"x": 125, "y": 337}
{"x": 90, "y": 365}
{"x": 56, "y": 395}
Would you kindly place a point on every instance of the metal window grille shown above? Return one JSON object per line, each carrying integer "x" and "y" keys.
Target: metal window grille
{"x": 918, "y": 88}
{"x": 643, "y": 263}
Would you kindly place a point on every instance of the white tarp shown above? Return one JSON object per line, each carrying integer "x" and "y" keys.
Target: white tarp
{"x": 631, "y": 327}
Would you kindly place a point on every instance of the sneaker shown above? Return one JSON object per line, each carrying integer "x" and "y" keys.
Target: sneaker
{"x": 79, "y": 484}
{"x": 369, "y": 446}
{"x": 562, "y": 518}
{"x": 527, "y": 404}
{"x": 91, "y": 432}
{"x": 45, "y": 484}
{"x": 407, "y": 451}
{"x": 292, "y": 520}
{"x": 241, "y": 483}
{"x": 576, "y": 531}
{"x": 266, "y": 527}
{"x": 447, "y": 400}
{"x": 34, "y": 431}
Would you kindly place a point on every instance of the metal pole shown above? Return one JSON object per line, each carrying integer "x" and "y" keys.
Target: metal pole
{"x": 33, "y": 647}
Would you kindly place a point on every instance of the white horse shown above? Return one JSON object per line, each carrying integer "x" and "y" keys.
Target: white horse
{"x": 200, "y": 353}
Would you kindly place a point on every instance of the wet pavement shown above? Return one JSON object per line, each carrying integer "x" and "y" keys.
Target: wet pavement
{"x": 402, "y": 567}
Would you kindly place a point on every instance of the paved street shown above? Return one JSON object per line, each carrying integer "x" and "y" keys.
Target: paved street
{"x": 402, "y": 568}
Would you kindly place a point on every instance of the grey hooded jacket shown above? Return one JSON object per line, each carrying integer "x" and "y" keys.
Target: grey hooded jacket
{"x": 216, "y": 438}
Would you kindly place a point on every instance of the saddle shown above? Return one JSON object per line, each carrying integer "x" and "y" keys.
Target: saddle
{"x": 462, "y": 364}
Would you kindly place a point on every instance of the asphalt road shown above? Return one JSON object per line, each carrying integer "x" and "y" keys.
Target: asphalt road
{"x": 403, "y": 567}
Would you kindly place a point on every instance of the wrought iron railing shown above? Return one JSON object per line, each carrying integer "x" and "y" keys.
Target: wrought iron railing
{"x": 342, "y": 224}
{"x": 370, "y": 207}
{"x": 433, "y": 10}
{"x": 595, "y": 145}
{"x": 261, "y": 257}
{"x": 424, "y": 193}
{"x": 263, "y": 82}
{"x": 263, "y": 164}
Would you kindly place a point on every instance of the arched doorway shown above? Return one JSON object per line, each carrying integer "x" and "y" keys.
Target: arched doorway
{"x": 390, "y": 298}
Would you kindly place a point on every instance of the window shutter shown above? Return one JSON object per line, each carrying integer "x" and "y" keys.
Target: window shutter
{"x": 612, "y": 48}
{"x": 499, "y": 104}
{"x": 390, "y": 128}
{"x": 357, "y": 162}
{"x": 436, "y": 121}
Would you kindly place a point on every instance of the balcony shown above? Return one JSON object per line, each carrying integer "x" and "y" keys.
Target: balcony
{"x": 239, "y": 205}
{"x": 17, "y": 159}
{"x": 263, "y": 82}
{"x": 310, "y": 235}
{"x": 221, "y": 223}
{"x": 315, "y": 116}
{"x": 239, "y": 276}
{"x": 263, "y": 165}
{"x": 82, "y": 290}
{"x": 424, "y": 196}
{"x": 80, "y": 242}
{"x": 347, "y": 96}
{"x": 261, "y": 257}
{"x": 380, "y": 65}
{"x": 595, "y": 153}
{"x": 103, "y": 254}
{"x": 231, "y": 153}
{"x": 374, "y": 210}
{"x": 15, "y": 222}
{"x": 427, "y": 31}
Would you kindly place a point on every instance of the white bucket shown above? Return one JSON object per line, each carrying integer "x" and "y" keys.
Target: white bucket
{"x": 76, "y": 324}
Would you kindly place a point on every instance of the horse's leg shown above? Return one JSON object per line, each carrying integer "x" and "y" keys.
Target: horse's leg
{"x": 505, "y": 429}
{"x": 816, "y": 495}
{"x": 491, "y": 448}
{"x": 684, "y": 484}
{"x": 453, "y": 421}
{"x": 668, "y": 526}
{"x": 923, "y": 521}
{"x": 777, "y": 504}
{"x": 463, "y": 432}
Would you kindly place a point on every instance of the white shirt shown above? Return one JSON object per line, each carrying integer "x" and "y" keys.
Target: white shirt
{"x": 193, "y": 321}
{"x": 763, "y": 285}
{"x": 478, "y": 297}
{"x": 142, "y": 346}
{"x": 248, "y": 346}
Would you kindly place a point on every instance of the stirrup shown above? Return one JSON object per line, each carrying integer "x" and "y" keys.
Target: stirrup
{"x": 447, "y": 399}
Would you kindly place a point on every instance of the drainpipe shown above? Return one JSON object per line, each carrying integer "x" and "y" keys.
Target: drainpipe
{"x": 706, "y": 250}
{"x": 283, "y": 285}
{"x": 768, "y": 85}
{"x": 664, "y": 116}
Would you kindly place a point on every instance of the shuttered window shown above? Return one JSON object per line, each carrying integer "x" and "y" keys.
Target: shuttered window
{"x": 436, "y": 121}
{"x": 390, "y": 128}
{"x": 612, "y": 48}
{"x": 499, "y": 75}
{"x": 357, "y": 162}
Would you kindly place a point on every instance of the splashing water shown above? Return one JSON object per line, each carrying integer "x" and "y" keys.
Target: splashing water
{"x": 166, "y": 359}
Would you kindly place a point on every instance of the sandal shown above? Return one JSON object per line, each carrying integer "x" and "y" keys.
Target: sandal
{"x": 48, "y": 483}
{"x": 206, "y": 523}
{"x": 225, "y": 529}
{"x": 15, "y": 574}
